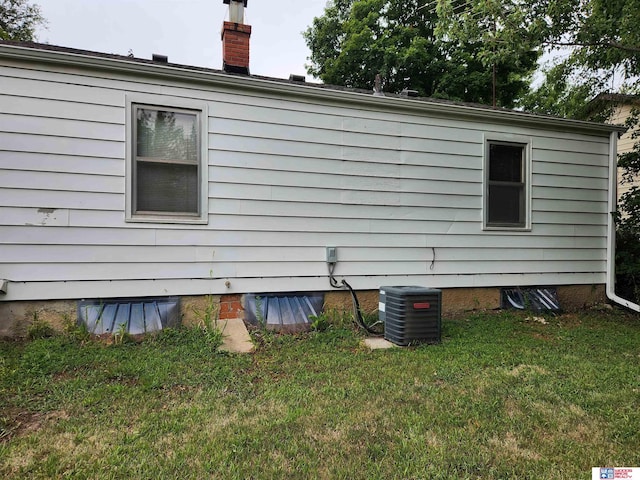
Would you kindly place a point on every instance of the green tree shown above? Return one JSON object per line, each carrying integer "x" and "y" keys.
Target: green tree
{"x": 600, "y": 39}
{"x": 18, "y": 20}
{"x": 564, "y": 92}
{"x": 356, "y": 39}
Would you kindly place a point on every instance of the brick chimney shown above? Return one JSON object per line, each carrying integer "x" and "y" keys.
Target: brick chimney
{"x": 235, "y": 39}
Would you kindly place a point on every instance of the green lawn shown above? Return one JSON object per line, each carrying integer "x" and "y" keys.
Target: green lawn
{"x": 504, "y": 396}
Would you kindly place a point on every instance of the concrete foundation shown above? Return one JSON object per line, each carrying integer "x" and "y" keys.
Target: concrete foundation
{"x": 341, "y": 300}
{"x": 578, "y": 297}
{"x": 194, "y": 308}
{"x": 15, "y": 317}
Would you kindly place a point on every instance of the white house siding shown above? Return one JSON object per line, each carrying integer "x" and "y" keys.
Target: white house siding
{"x": 287, "y": 177}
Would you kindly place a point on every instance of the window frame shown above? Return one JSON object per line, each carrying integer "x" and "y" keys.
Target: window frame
{"x": 178, "y": 105}
{"x": 516, "y": 141}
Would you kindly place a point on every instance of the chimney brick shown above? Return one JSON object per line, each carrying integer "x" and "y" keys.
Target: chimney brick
{"x": 235, "y": 47}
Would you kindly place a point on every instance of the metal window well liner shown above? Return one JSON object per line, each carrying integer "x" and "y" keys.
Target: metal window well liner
{"x": 285, "y": 313}
{"x": 133, "y": 316}
{"x": 534, "y": 298}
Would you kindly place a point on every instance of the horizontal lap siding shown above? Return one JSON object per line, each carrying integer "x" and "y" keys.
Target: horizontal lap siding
{"x": 625, "y": 144}
{"x": 286, "y": 179}
{"x": 298, "y": 171}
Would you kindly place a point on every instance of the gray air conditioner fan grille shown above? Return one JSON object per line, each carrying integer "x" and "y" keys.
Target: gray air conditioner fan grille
{"x": 410, "y": 314}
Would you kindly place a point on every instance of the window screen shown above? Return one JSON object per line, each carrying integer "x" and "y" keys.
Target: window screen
{"x": 167, "y": 161}
{"x": 506, "y": 188}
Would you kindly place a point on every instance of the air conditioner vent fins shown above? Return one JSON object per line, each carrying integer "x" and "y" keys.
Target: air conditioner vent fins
{"x": 410, "y": 314}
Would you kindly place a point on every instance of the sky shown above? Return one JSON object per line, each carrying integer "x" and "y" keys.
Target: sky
{"x": 187, "y": 31}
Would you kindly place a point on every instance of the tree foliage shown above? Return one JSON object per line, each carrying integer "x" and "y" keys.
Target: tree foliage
{"x": 18, "y": 20}
{"x": 599, "y": 39}
{"x": 564, "y": 92}
{"x": 601, "y": 33}
{"x": 356, "y": 39}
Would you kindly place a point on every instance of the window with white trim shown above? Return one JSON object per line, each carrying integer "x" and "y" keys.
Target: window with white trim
{"x": 167, "y": 172}
{"x": 506, "y": 185}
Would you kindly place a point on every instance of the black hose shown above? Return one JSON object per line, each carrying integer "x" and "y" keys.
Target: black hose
{"x": 357, "y": 312}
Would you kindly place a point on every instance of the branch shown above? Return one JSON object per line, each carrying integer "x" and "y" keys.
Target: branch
{"x": 609, "y": 43}
{"x": 628, "y": 48}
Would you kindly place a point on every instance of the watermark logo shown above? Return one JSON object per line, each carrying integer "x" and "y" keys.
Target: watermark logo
{"x": 626, "y": 473}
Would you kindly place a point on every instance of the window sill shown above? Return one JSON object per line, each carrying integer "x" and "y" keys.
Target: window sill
{"x": 165, "y": 219}
{"x": 505, "y": 228}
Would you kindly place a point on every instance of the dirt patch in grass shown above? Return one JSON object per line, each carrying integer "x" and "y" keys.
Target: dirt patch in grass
{"x": 512, "y": 409}
{"x": 16, "y": 422}
{"x": 67, "y": 445}
{"x": 526, "y": 370}
{"x": 326, "y": 435}
{"x": 570, "y": 320}
{"x": 509, "y": 446}
{"x": 544, "y": 337}
{"x": 64, "y": 376}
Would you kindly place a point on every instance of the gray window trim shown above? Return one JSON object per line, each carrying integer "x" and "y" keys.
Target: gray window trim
{"x": 163, "y": 102}
{"x": 513, "y": 140}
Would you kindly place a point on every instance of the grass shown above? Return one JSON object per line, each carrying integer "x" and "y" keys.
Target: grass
{"x": 503, "y": 396}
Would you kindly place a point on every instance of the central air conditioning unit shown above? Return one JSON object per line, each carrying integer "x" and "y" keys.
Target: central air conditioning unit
{"x": 410, "y": 314}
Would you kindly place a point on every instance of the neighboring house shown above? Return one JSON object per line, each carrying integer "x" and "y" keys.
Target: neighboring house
{"x": 123, "y": 177}
{"x": 618, "y": 107}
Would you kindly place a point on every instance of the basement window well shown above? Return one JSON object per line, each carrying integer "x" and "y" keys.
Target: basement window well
{"x": 284, "y": 312}
{"x": 132, "y": 316}
{"x": 536, "y": 299}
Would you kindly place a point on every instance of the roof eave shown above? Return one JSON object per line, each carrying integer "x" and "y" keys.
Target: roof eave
{"x": 272, "y": 86}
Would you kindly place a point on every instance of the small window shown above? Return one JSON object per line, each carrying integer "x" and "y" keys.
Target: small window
{"x": 506, "y": 202}
{"x": 167, "y": 175}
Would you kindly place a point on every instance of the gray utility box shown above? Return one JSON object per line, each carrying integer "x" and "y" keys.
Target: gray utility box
{"x": 411, "y": 314}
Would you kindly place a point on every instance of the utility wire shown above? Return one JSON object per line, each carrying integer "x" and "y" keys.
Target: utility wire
{"x": 357, "y": 311}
